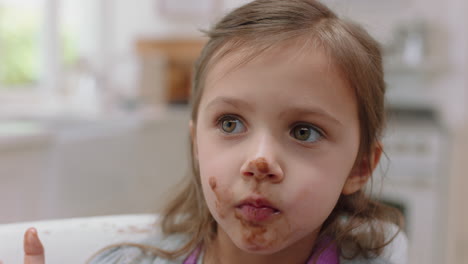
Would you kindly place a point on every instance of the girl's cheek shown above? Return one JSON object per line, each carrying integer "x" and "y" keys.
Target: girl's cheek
{"x": 223, "y": 197}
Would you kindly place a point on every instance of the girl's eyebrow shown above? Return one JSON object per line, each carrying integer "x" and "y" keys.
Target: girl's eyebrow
{"x": 239, "y": 104}
{"x": 299, "y": 110}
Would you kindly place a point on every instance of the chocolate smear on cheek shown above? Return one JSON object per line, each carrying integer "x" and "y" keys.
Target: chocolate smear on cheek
{"x": 212, "y": 182}
{"x": 219, "y": 199}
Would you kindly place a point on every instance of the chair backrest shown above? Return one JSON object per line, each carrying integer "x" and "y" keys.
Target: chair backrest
{"x": 74, "y": 240}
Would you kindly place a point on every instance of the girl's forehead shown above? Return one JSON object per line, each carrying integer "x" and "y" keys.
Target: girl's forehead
{"x": 236, "y": 54}
{"x": 303, "y": 56}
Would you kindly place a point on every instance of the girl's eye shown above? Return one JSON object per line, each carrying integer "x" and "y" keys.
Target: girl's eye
{"x": 307, "y": 133}
{"x": 231, "y": 125}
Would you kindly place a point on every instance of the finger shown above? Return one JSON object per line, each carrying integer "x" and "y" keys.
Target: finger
{"x": 33, "y": 249}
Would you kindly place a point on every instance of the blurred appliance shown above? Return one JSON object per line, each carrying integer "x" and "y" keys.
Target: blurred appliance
{"x": 416, "y": 142}
{"x": 412, "y": 66}
{"x": 413, "y": 179}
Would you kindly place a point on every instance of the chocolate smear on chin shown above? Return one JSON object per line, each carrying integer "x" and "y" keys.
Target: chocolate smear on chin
{"x": 252, "y": 233}
{"x": 265, "y": 235}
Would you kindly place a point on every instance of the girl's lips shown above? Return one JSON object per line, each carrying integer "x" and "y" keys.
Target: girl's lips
{"x": 256, "y": 210}
{"x": 256, "y": 214}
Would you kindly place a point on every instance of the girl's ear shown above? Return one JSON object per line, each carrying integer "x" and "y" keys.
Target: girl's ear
{"x": 193, "y": 139}
{"x": 362, "y": 171}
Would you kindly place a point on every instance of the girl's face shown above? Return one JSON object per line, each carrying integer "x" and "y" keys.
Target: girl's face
{"x": 276, "y": 140}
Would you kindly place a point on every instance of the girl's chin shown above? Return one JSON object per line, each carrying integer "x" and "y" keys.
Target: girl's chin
{"x": 257, "y": 248}
{"x": 261, "y": 250}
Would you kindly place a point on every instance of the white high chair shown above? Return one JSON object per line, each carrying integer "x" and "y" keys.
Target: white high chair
{"x": 74, "y": 240}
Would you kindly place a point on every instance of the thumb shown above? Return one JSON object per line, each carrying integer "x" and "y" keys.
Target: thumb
{"x": 33, "y": 249}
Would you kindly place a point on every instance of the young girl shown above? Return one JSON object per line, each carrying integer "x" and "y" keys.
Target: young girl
{"x": 287, "y": 113}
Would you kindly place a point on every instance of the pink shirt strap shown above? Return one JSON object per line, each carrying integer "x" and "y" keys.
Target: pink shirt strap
{"x": 326, "y": 253}
{"x": 192, "y": 258}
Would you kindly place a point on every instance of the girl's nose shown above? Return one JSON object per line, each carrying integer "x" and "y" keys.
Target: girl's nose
{"x": 262, "y": 169}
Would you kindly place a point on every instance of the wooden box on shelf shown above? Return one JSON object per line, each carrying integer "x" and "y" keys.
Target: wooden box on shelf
{"x": 179, "y": 56}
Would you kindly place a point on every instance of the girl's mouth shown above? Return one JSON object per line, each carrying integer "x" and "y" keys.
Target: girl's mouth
{"x": 256, "y": 210}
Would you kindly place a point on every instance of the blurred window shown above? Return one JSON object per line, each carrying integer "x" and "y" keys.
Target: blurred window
{"x": 36, "y": 36}
{"x": 68, "y": 29}
{"x": 21, "y": 23}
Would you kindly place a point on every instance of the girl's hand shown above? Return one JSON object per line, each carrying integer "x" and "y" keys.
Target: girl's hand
{"x": 33, "y": 249}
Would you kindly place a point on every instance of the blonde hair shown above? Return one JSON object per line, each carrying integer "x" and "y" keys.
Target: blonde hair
{"x": 357, "y": 222}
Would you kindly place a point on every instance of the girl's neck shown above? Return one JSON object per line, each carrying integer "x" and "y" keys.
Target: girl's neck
{"x": 223, "y": 251}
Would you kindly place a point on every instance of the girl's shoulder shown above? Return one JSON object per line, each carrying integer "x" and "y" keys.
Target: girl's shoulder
{"x": 131, "y": 253}
{"x": 396, "y": 252}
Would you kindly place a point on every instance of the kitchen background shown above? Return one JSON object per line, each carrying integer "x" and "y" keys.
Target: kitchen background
{"x": 93, "y": 114}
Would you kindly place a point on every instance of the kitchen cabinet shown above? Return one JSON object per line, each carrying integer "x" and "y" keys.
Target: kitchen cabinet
{"x": 179, "y": 56}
